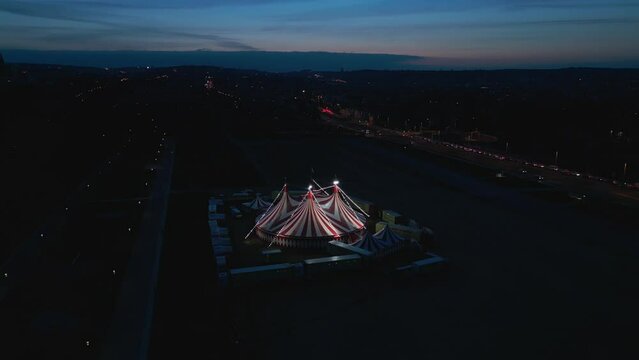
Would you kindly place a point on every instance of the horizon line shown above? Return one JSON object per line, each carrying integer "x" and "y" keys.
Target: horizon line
{"x": 390, "y": 61}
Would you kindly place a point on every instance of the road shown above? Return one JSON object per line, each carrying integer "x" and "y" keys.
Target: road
{"x": 129, "y": 334}
{"x": 579, "y": 185}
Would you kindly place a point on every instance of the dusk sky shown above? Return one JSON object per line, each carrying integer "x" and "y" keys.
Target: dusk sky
{"x": 472, "y": 33}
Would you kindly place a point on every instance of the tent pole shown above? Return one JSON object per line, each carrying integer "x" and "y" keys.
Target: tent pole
{"x": 320, "y": 187}
{"x": 353, "y": 202}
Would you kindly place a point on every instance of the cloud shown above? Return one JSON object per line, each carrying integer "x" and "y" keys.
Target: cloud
{"x": 387, "y": 8}
{"x": 96, "y": 13}
{"x": 412, "y": 28}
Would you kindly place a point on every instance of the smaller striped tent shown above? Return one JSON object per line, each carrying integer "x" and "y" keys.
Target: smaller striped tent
{"x": 384, "y": 242}
{"x": 370, "y": 243}
{"x": 257, "y": 203}
{"x": 388, "y": 236}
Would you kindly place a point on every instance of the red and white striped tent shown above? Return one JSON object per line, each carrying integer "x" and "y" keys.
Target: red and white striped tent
{"x": 312, "y": 222}
{"x": 341, "y": 213}
{"x": 308, "y": 226}
{"x": 257, "y": 203}
{"x": 269, "y": 223}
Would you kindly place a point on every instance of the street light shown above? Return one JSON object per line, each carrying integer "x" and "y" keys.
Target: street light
{"x": 625, "y": 170}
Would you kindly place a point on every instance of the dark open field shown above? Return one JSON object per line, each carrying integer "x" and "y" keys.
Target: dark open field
{"x": 529, "y": 277}
{"x": 533, "y": 272}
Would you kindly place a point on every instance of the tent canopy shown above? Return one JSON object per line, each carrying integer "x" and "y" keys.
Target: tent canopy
{"x": 371, "y": 243}
{"x": 383, "y": 242}
{"x": 309, "y": 221}
{"x": 257, "y": 203}
{"x": 272, "y": 220}
{"x": 388, "y": 236}
{"x": 340, "y": 212}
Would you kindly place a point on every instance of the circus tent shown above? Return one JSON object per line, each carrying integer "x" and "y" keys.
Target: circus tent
{"x": 308, "y": 226}
{"x": 383, "y": 242}
{"x": 371, "y": 243}
{"x": 318, "y": 218}
{"x": 257, "y": 203}
{"x": 387, "y": 235}
{"x": 341, "y": 213}
{"x": 272, "y": 220}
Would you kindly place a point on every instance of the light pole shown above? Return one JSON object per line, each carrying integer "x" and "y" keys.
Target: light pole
{"x": 625, "y": 170}
{"x": 556, "y": 157}
{"x": 506, "y": 147}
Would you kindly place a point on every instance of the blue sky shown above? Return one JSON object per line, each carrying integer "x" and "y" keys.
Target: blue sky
{"x": 455, "y": 33}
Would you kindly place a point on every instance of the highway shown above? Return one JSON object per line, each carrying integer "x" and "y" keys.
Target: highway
{"x": 130, "y": 331}
{"x": 578, "y": 185}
